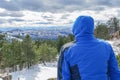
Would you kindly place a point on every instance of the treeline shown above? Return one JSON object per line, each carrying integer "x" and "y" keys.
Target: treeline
{"x": 105, "y": 30}
{"x": 28, "y": 52}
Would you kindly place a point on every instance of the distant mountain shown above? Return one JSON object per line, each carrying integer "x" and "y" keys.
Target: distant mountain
{"x": 0, "y": 31}
{"x": 38, "y": 32}
{"x": 16, "y": 30}
{"x": 32, "y": 28}
{"x": 7, "y": 28}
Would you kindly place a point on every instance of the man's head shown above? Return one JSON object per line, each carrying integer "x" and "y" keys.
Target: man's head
{"x": 83, "y": 25}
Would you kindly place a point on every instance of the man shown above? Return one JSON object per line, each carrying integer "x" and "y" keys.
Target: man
{"x": 87, "y": 58}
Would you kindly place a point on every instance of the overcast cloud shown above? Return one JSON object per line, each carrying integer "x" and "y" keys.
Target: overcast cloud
{"x": 54, "y": 12}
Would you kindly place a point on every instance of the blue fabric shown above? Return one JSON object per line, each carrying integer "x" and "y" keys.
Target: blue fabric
{"x": 94, "y": 58}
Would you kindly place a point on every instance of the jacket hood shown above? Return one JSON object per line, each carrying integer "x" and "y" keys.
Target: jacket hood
{"x": 84, "y": 25}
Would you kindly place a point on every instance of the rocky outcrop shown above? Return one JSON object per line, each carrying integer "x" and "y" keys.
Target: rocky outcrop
{"x": 115, "y": 35}
{"x": 6, "y": 77}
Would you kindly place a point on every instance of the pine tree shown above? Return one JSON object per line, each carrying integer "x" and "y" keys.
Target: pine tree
{"x": 114, "y": 25}
{"x": 46, "y": 53}
{"x": 60, "y": 42}
{"x": 101, "y": 31}
{"x": 28, "y": 51}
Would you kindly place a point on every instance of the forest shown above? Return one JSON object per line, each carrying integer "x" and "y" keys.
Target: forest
{"x": 29, "y": 52}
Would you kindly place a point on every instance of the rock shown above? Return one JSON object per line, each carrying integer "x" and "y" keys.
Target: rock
{"x": 7, "y": 77}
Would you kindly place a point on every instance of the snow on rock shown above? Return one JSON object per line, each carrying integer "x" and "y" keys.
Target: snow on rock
{"x": 37, "y": 72}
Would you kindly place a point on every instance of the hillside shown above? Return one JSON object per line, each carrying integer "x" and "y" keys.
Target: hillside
{"x": 40, "y": 72}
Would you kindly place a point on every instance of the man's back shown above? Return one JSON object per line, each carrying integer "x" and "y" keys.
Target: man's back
{"x": 91, "y": 58}
{"x": 88, "y": 58}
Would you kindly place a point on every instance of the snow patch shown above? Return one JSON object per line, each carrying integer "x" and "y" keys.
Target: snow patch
{"x": 116, "y": 45}
{"x": 37, "y": 72}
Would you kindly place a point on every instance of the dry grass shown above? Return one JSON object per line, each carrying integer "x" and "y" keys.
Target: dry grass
{"x": 52, "y": 79}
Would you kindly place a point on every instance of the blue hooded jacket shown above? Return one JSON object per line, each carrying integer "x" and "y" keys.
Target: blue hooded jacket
{"x": 87, "y": 58}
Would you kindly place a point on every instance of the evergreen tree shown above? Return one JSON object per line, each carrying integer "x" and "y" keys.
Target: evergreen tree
{"x": 16, "y": 49}
{"x": 101, "y": 31}
{"x": 114, "y": 25}
{"x": 38, "y": 42}
{"x": 60, "y": 42}
{"x": 1, "y": 40}
{"x": 46, "y": 53}
{"x": 6, "y": 55}
{"x": 27, "y": 46}
{"x": 1, "y": 44}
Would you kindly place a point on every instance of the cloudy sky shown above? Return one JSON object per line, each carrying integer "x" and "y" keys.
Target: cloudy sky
{"x": 22, "y": 13}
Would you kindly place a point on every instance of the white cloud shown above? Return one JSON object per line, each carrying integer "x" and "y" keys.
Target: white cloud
{"x": 8, "y": 0}
{"x": 65, "y": 18}
{"x": 1, "y": 10}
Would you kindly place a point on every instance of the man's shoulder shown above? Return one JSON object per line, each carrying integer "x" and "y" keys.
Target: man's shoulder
{"x": 67, "y": 46}
{"x": 104, "y": 42}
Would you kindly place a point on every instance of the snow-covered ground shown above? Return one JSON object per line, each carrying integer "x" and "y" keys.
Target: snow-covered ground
{"x": 40, "y": 72}
{"x": 116, "y": 46}
{"x": 37, "y": 72}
